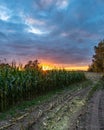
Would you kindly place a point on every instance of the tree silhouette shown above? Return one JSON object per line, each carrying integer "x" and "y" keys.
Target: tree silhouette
{"x": 32, "y": 65}
{"x": 98, "y": 59}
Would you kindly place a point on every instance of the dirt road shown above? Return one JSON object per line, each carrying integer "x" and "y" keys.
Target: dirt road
{"x": 93, "y": 118}
{"x": 63, "y": 115}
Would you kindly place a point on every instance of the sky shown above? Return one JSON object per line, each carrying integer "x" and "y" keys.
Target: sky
{"x": 56, "y": 32}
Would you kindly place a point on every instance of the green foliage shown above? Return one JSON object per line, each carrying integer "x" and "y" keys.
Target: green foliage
{"x": 102, "y": 81}
{"x": 102, "y": 78}
{"x": 98, "y": 58}
{"x": 17, "y": 86}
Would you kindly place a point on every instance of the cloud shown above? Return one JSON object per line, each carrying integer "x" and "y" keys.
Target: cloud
{"x": 5, "y": 13}
{"x": 62, "y": 4}
{"x": 46, "y": 2}
{"x": 2, "y": 35}
{"x": 70, "y": 55}
{"x": 33, "y": 21}
{"x": 37, "y": 31}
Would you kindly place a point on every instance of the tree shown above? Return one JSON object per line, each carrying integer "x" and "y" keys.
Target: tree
{"x": 3, "y": 63}
{"x": 98, "y": 59}
{"x": 32, "y": 65}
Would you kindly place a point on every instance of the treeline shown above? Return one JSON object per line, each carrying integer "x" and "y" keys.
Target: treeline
{"x": 98, "y": 58}
{"x": 30, "y": 64}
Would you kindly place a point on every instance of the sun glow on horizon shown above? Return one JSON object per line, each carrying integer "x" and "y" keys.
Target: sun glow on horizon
{"x": 84, "y": 68}
{"x": 50, "y": 67}
{"x": 47, "y": 67}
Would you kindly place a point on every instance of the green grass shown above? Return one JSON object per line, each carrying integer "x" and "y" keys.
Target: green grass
{"x": 98, "y": 86}
{"x": 26, "y": 105}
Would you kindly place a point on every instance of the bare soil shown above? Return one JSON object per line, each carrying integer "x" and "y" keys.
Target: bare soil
{"x": 93, "y": 118}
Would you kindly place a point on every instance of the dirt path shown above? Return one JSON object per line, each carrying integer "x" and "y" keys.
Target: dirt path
{"x": 93, "y": 119}
{"x": 62, "y": 116}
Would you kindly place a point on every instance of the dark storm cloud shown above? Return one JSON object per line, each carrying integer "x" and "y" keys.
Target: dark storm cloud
{"x": 62, "y": 31}
{"x": 65, "y": 55}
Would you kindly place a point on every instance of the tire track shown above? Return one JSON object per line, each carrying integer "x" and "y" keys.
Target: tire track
{"x": 101, "y": 111}
{"x": 94, "y": 124}
{"x": 93, "y": 118}
{"x": 60, "y": 112}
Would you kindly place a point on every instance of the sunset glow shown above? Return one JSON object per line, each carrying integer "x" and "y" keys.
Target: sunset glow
{"x": 50, "y": 67}
{"x": 84, "y": 68}
{"x": 47, "y": 67}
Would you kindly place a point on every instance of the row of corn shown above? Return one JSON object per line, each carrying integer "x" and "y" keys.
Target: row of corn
{"x": 17, "y": 86}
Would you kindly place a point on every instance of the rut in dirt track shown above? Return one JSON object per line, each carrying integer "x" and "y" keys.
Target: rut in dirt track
{"x": 58, "y": 117}
{"x": 93, "y": 119}
{"x": 101, "y": 111}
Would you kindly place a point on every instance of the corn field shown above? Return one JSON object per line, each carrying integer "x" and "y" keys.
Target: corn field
{"x": 17, "y": 86}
